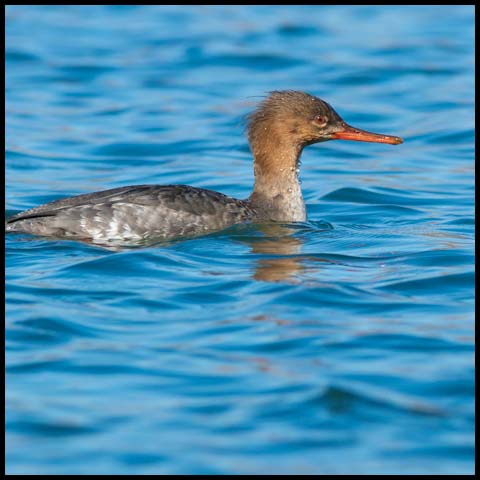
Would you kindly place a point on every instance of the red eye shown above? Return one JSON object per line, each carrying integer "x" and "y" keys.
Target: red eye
{"x": 320, "y": 120}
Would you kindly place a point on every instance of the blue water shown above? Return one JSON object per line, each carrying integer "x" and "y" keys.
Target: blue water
{"x": 340, "y": 345}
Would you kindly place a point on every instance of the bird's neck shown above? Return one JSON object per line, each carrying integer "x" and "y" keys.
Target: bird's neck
{"x": 277, "y": 194}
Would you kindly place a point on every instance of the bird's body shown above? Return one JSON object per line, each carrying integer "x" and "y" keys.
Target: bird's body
{"x": 135, "y": 213}
{"x": 279, "y": 129}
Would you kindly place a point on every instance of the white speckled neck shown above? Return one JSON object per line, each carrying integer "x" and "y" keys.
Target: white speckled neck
{"x": 279, "y": 198}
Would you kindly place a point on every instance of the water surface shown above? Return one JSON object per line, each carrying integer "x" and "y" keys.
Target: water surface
{"x": 341, "y": 345}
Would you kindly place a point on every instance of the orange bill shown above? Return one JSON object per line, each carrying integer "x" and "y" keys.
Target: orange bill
{"x": 351, "y": 133}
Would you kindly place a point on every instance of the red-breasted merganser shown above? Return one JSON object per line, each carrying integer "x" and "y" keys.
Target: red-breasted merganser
{"x": 283, "y": 124}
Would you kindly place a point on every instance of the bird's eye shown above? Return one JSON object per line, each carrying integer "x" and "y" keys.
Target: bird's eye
{"x": 320, "y": 120}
